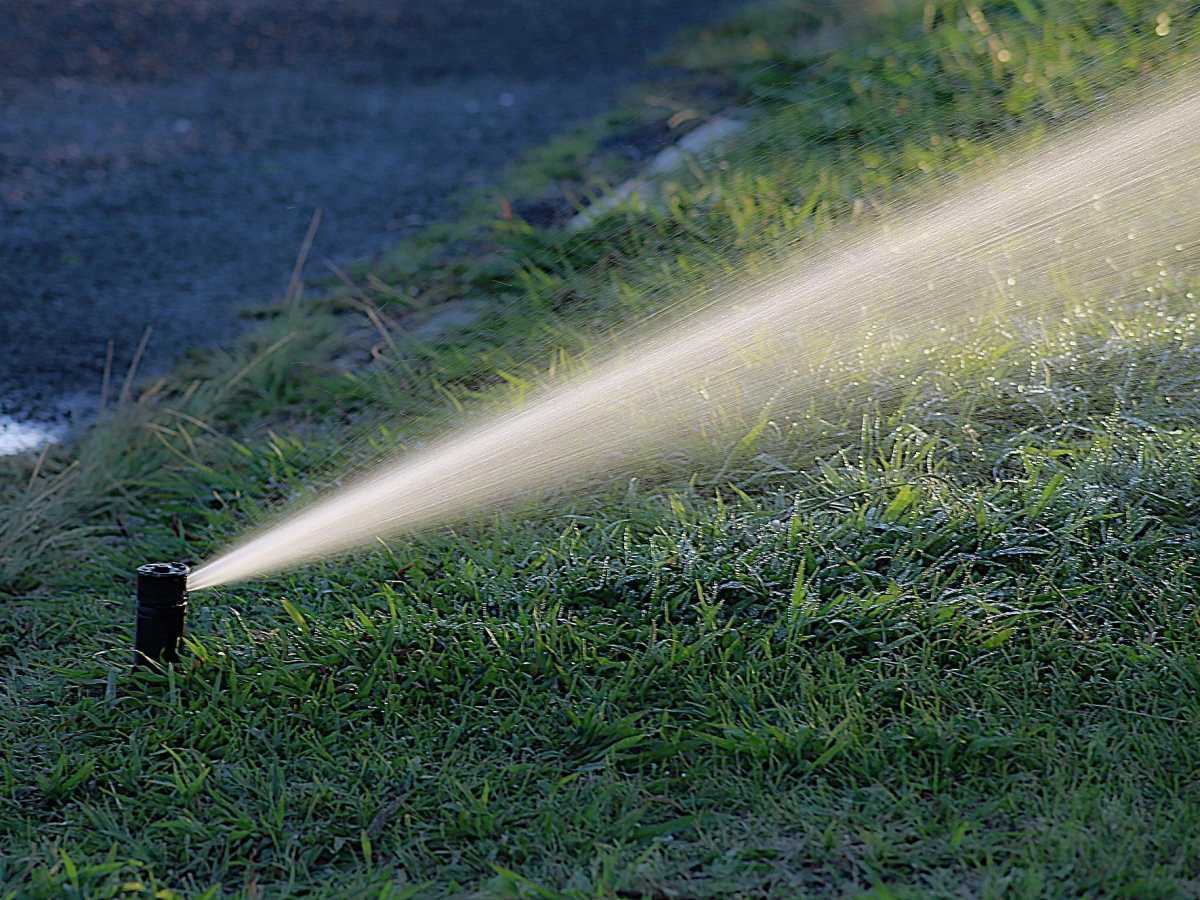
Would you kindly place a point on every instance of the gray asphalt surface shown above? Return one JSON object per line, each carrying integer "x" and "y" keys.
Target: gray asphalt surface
{"x": 160, "y": 159}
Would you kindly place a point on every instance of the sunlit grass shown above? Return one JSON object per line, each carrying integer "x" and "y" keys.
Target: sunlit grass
{"x": 932, "y": 635}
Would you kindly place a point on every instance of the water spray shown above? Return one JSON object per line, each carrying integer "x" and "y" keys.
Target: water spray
{"x": 161, "y": 614}
{"x": 1094, "y": 210}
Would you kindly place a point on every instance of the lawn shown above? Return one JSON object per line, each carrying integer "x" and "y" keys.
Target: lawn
{"x": 928, "y": 631}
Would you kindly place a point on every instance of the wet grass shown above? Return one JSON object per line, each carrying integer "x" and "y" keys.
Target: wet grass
{"x": 932, "y": 635}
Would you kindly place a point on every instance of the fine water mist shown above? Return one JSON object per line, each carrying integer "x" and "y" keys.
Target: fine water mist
{"x": 1091, "y": 209}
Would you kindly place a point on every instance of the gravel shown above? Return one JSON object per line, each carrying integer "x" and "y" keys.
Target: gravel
{"x": 160, "y": 161}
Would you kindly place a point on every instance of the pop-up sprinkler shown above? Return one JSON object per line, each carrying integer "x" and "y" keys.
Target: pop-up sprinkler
{"x": 161, "y": 614}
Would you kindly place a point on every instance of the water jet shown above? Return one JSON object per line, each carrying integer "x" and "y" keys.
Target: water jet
{"x": 1098, "y": 209}
{"x": 161, "y": 614}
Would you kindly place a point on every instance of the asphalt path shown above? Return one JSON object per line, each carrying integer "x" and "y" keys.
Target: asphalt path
{"x": 160, "y": 160}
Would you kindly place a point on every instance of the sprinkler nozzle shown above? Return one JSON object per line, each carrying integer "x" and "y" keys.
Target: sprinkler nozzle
{"x": 161, "y": 614}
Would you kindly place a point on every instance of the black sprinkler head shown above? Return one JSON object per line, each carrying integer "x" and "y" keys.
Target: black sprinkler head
{"x": 161, "y": 614}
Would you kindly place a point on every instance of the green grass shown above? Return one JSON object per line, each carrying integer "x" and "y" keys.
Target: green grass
{"x": 932, "y": 635}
